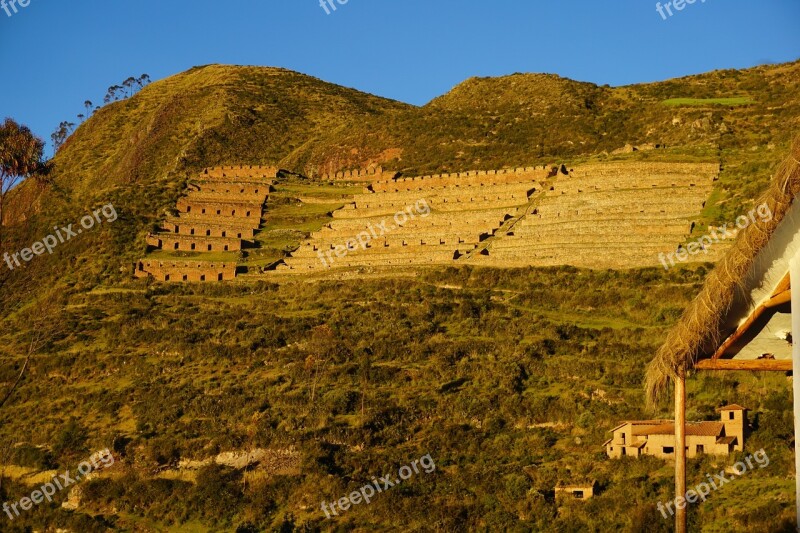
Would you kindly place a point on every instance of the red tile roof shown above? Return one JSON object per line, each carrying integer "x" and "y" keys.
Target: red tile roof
{"x": 640, "y": 423}
{"x": 696, "y": 429}
{"x": 733, "y": 407}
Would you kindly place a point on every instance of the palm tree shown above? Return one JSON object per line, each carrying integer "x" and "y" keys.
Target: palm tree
{"x": 20, "y": 156}
{"x": 88, "y": 105}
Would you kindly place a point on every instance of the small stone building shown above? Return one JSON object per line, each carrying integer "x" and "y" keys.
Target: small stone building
{"x": 657, "y": 437}
{"x": 577, "y": 491}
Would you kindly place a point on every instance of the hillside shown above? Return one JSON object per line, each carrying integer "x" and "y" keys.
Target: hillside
{"x": 138, "y": 153}
{"x": 240, "y": 406}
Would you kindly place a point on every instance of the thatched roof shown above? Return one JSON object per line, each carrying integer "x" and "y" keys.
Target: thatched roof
{"x": 699, "y": 331}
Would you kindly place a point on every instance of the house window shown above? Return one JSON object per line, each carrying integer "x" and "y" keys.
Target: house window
{"x": 669, "y": 449}
{"x": 202, "y": 277}
{"x": 185, "y": 277}
{"x": 166, "y": 277}
{"x": 624, "y": 451}
{"x": 578, "y": 494}
{"x": 193, "y": 246}
{"x": 219, "y": 277}
{"x": 191, "y": 232}
{"x": 701, "y": 448}
{"x": 730, "y": 415}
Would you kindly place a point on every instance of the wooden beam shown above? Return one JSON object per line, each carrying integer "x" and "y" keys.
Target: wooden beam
{"x": 756, "y": 365}
{"x": 780, "y": 295}
{"x": 779, "y": 299}
{"x": 680, "y": 451}
{"x": 784, "y": 285}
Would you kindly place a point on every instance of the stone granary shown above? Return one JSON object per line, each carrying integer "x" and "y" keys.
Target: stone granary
{"x": 221, "y": 211}
{"x": 576, "y": 491}
{"x": 657, "y": 437}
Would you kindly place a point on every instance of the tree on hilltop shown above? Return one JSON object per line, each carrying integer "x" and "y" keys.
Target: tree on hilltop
{"x": 61, "y": 134}
{"x": 21, "y": 155}
{"x": 143, "y": 80}
{"x": 128, "y": 84}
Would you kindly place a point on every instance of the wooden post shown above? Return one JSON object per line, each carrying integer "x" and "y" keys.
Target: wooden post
{"x": 794, "y": 272}
{"x": 680, "y": 450}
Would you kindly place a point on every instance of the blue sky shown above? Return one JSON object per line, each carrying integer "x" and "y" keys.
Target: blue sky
{"x": 56, "y": 54}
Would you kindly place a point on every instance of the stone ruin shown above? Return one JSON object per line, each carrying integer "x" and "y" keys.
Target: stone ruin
{"x": 604, "y": 215}
{"x": 608, "y": 215}
{"x": 175, "y": 270}
{"x": 465, "y": 208}
{"x": 600, "y": 215}
{"x": 221, "y": 211}
{"x": 369, "y": 174}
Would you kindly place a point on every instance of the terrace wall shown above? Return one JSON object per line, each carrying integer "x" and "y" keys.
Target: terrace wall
{"x": 176, "y": 271}
{"x": 240, "y": 172}
{"x": 369, "y": 174}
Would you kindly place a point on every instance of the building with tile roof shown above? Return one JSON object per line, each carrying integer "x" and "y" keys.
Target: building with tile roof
{"x": 635, "y": 438}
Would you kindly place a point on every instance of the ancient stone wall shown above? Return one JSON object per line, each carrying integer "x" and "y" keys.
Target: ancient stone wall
{"x": 462, "y": 209}
{"x": 464, "y": 179}
{"x": 245, "y": 209}
{"x": 176, "y": 271}
{"x": 369, "y": 174}
{"x": 210, "y": 227}
{"x": 216, "y": 215}
{"x": 613, "y": 215}
{"x": 244, "y": 172}
{"x": 232, "y": 187}
{"x": 193, "y": 243}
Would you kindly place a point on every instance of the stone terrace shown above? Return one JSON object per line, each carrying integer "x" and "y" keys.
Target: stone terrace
{"x": 614, "y": 215}
{"x": 462, "y": 210}
{"x": 219, "y": 212}
{"x": 369, "y": 175}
